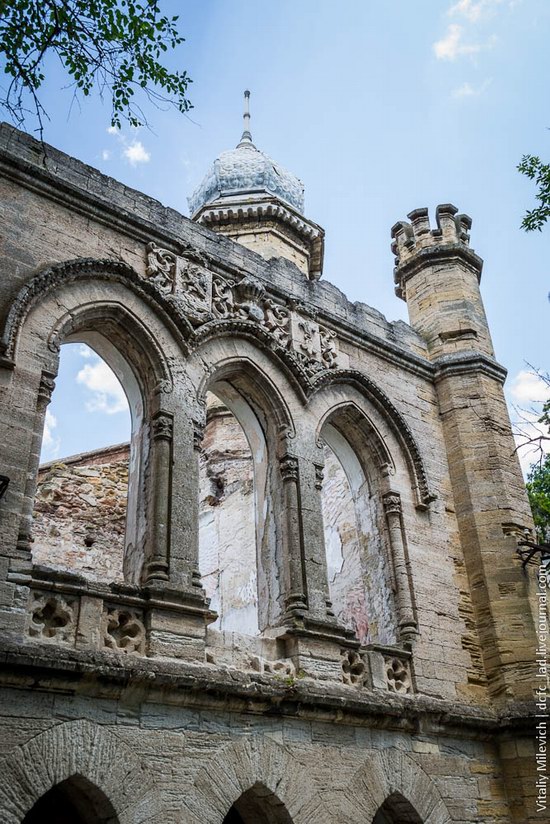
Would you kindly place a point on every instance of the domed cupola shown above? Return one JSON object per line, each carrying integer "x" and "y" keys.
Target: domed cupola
{"x": 258, "y": 203}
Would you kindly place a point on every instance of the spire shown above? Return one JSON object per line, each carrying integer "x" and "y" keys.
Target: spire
{"x": 246, "y": 137}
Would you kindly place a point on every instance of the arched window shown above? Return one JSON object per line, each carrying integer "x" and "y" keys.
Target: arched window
{"x": 238, "y": 553}
{"x": 80, "y": 508}
{"x": 227, "y": 521}
{"x": 88, "y": 517}
{"x": 258, "y": 805}
{"x": 73, "y": 801}
{"x": 358, "y": 567}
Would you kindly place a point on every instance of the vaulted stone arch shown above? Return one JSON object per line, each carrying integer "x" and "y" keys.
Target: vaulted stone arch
{"x": 252, "y": 762}
{"x": 258, "y": 804}
{"x": 78, "y": 748}
{"x": 394, "y": 773}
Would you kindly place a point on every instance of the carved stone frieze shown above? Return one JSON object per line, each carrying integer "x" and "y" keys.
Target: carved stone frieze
{"x": 161, "y": 268}
{"x": 205, "y": 296}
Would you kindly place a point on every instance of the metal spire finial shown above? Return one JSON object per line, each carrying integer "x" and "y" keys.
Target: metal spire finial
{"x": 246, "y": 137}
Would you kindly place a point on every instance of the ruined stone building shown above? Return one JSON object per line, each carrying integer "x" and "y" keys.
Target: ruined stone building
{"x": 294, "y": 596}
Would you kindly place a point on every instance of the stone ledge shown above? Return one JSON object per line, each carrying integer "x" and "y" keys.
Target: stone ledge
{"x": 204, "y": 686}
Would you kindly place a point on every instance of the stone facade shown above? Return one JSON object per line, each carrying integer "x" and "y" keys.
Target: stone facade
{"x": 390, "y": 675}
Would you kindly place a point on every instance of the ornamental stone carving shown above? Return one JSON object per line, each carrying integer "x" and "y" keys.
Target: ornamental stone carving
{"x": 398, "y": 675}
{"x": 122, "y": 630}
{"x": 353, "y": 668}
{"x": 161, "y": 426}
{"x": 161, "y": 268}
{"x": 204, "y": 296}
{"x": 52, "y": 618}
{"x": 289, "y": 468}
{"x": 392, "y": 503}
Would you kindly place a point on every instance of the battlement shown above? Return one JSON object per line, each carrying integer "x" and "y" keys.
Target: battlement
{"x": 409, "y": 238}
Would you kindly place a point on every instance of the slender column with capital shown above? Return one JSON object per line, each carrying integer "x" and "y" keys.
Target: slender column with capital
{"x": 24, "y": 538}
{"x": 407, "y": 623}
{"x": 157, "y": 565}
{"x": 295, "y": 599}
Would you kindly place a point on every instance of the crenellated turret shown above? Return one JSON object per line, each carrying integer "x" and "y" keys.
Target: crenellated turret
{"x": 438, "y": 275}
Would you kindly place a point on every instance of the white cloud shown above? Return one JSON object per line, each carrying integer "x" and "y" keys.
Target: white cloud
{"x": 473, "y": 11}
{"x": 105, "y": 154}
{"x": 85, "y": 351}
{"x": 113, "y": 130}
{"x": 136, "y": 153}
{"x": 452, "y": 45}
{"x": 50, "y": 444}
{"x": 528, "y": 392}
{"x": 467, "y": 90}
{"x": 528, "y": 388}
{"x": 107, "y": 393}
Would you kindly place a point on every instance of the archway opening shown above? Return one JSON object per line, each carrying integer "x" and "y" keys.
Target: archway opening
{"x": 227, "y": 519}
{"x": 358, "y": 566}
{"x": 73, "y": 801}
{"x": 258, "y": 805}
{"x": 396, "y": 810}
{"x": 86, "y": 515}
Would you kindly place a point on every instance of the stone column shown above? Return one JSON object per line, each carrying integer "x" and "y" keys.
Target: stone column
{"x": 24, "y": 538}
{"x": 158, "y": 561}
{"x": 295, "y": 598}
{"x": 407, "y": 623}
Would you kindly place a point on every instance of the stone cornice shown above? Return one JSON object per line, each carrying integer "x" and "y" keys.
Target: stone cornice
{"x": 206, "y": 687}
{"x": 436, "y": 254}
{"x": 238, "y": 212}
{"x": 464, "y": 363}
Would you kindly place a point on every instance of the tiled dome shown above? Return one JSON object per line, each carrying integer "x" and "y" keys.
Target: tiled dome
{"x": 247, "y": 170}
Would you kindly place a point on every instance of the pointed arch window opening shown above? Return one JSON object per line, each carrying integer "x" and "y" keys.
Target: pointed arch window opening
{"x": 354, "y": 531}
{"x": 236, "y": 526}
{"x": 87, "y": 518}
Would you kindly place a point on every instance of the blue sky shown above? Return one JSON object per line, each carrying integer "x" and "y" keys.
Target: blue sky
{"x": 380, "y": 108}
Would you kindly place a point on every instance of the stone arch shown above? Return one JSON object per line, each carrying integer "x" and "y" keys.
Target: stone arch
{"x": 393, "y": 774}
{"x": 77, "y": 748}
{"x": 266, "y": 406}
{"x": 84, "y": 270}
{"x": 252, "y": 762}
{"x": 281, "y": 358}
{"x": 364, "y": 441}
{"x": 250, "y": 370}
{"x": 396, "y": 810}
{"x": 75, "y": 799}
{"x": 387, "y": 410}
{"x": 258, "y": 804}
{"x": 99, "y": 303}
